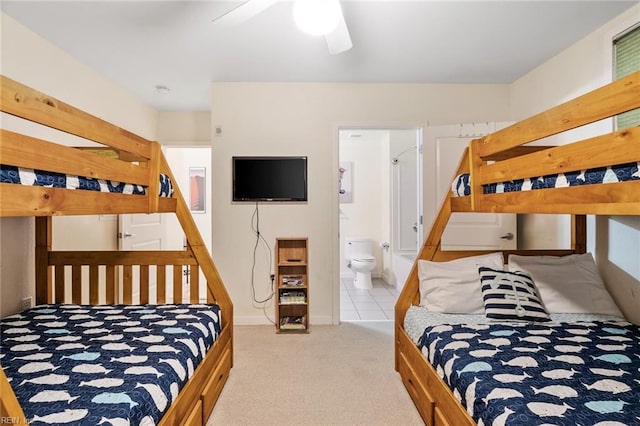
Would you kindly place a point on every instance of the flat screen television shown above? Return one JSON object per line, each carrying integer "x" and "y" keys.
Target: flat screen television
{"x": 269, "y": 178}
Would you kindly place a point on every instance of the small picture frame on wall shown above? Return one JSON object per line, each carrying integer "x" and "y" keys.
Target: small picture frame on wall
{"x": 197, "y": 189}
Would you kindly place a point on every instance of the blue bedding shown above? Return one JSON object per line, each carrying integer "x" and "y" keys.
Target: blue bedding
{"x": 619, "y": 173}
{"x": 112, "y": 364}
{"x": 19, "y": 175}
{"x": 579, "y": 373}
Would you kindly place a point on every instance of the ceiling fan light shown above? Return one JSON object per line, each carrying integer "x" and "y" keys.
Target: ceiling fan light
{"x": 316, "y": 17}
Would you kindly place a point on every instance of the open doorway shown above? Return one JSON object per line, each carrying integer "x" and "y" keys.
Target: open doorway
{"x": 380, "y": 217}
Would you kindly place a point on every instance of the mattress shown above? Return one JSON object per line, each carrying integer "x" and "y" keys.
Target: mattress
{"x": 563, "y": 373}
{"x": 110, "y": 364}
{"x": 619, "y": 173}
{"x": 23, "y": 176}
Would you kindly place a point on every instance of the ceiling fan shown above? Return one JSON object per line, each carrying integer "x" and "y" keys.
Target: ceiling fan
{"x": 316, "y": 17}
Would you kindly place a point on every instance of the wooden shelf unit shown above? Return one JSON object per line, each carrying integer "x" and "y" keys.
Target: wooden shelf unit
{"x": 292, "y": 281}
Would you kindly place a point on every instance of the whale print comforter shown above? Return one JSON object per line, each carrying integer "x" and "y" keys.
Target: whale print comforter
{"x": 582, "y": 373}
{"x": 619, "y": 173}
{"x": 111, "y": 364}
{"x": 24, "y": 176}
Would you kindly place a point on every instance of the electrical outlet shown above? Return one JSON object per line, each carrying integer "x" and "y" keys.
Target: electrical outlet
{"x": 26, "y": 303}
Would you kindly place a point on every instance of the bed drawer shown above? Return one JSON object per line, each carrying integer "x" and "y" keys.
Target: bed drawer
{"x": 421, "y": 397}
{"x": 195, "y": 417}
{"x": 216, "y": 382}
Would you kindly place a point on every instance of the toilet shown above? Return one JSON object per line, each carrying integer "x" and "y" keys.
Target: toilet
{"x": 360, "y": 259}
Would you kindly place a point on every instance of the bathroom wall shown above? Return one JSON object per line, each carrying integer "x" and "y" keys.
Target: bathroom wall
{"x": 368, "y": 215}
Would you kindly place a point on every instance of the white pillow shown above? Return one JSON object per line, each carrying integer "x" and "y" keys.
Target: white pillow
{"x": 567, "y": 284}
{"x": 454, "y": 286}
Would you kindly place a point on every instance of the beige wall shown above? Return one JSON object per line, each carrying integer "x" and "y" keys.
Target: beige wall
{"x": 303, "y": 119}
{"x": 17, "y": 274}
{"x": 184, "y": 128}
{"x": 33, "y": 61}
{"x": 583, "y": 67}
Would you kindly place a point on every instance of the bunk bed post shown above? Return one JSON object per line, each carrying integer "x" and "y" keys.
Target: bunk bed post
{"x": 432, "y": 245}
{"x": 579, "y": 233}
{"x": 154, "y": 170}
{"x": 475, "y": 162}
{"x": 200, "y": 252}
{"x": 44, "y": 287}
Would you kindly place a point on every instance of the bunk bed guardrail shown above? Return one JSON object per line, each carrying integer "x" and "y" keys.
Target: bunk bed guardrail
{"x": 502, "y": 156}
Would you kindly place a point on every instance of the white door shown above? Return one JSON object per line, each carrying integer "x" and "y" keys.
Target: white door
{"x": 465, "y": 231}
{"x": 141, "y": 232}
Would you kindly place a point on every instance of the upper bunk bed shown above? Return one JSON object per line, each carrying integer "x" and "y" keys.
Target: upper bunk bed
{"x": 503, "y": 173}
{"x": 131, "y": 304}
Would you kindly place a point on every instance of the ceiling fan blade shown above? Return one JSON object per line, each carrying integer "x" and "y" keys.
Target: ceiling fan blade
{"x": 339, "y": 40}
{"x": 243, "y": 12}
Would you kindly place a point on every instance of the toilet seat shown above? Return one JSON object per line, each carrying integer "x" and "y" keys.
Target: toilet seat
{"x": 364, "y": 259}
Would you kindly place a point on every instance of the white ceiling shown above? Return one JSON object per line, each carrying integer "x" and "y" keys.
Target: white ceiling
{"x": 142, "y": 44}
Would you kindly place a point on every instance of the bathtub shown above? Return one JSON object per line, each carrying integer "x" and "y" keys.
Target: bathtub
{"x": 401, "y": 264}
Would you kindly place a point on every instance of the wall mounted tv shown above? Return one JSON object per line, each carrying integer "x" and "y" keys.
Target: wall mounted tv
{"x": 269, "y": 178}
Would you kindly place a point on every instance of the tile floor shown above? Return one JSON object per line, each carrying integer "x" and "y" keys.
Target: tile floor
{"x": 367, "y": 305}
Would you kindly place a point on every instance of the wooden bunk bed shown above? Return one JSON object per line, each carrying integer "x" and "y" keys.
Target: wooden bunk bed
{"x": 505, "y": 156}
{"x": 113, "y": 276}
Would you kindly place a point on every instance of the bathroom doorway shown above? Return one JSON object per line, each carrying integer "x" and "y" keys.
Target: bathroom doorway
{"x": 380, "y": 199}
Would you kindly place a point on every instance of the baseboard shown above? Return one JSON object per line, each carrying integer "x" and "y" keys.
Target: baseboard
{"x": 261, "y": 320}
{"x": 388, "y": 279}
{"x": 373, "y": 275}
{"x": 258, "y": 320}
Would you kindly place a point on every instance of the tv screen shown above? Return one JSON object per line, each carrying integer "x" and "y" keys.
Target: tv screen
{"x": 269, "y": 178}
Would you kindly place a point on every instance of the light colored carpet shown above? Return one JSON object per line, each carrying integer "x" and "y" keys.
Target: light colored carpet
{"x": 335, "y": 375}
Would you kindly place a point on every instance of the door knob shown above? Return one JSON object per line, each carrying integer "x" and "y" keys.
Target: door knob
{"x": 125, "y": 235}
{"x": 507, "y": 236}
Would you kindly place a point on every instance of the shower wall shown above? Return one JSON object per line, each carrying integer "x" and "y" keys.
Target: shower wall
{"x": 404, "y": 203}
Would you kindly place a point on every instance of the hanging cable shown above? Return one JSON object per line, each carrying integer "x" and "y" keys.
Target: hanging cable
{"x": 256, "y": 229}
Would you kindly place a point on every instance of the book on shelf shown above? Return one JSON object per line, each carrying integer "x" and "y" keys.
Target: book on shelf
{"x": 292, "y": 280}
{"x": 293, "y": 297}
{"x": 293, "y": 323}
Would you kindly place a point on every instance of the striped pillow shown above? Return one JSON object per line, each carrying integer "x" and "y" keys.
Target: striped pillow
{"x": 511, "y": 296}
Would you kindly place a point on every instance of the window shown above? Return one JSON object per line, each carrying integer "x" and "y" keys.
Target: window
{"x": 626, "y": 61}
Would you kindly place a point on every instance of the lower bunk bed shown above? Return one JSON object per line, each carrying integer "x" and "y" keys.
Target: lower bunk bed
{"x": 507, "y": 359}
{"x": 110, "y": 364}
